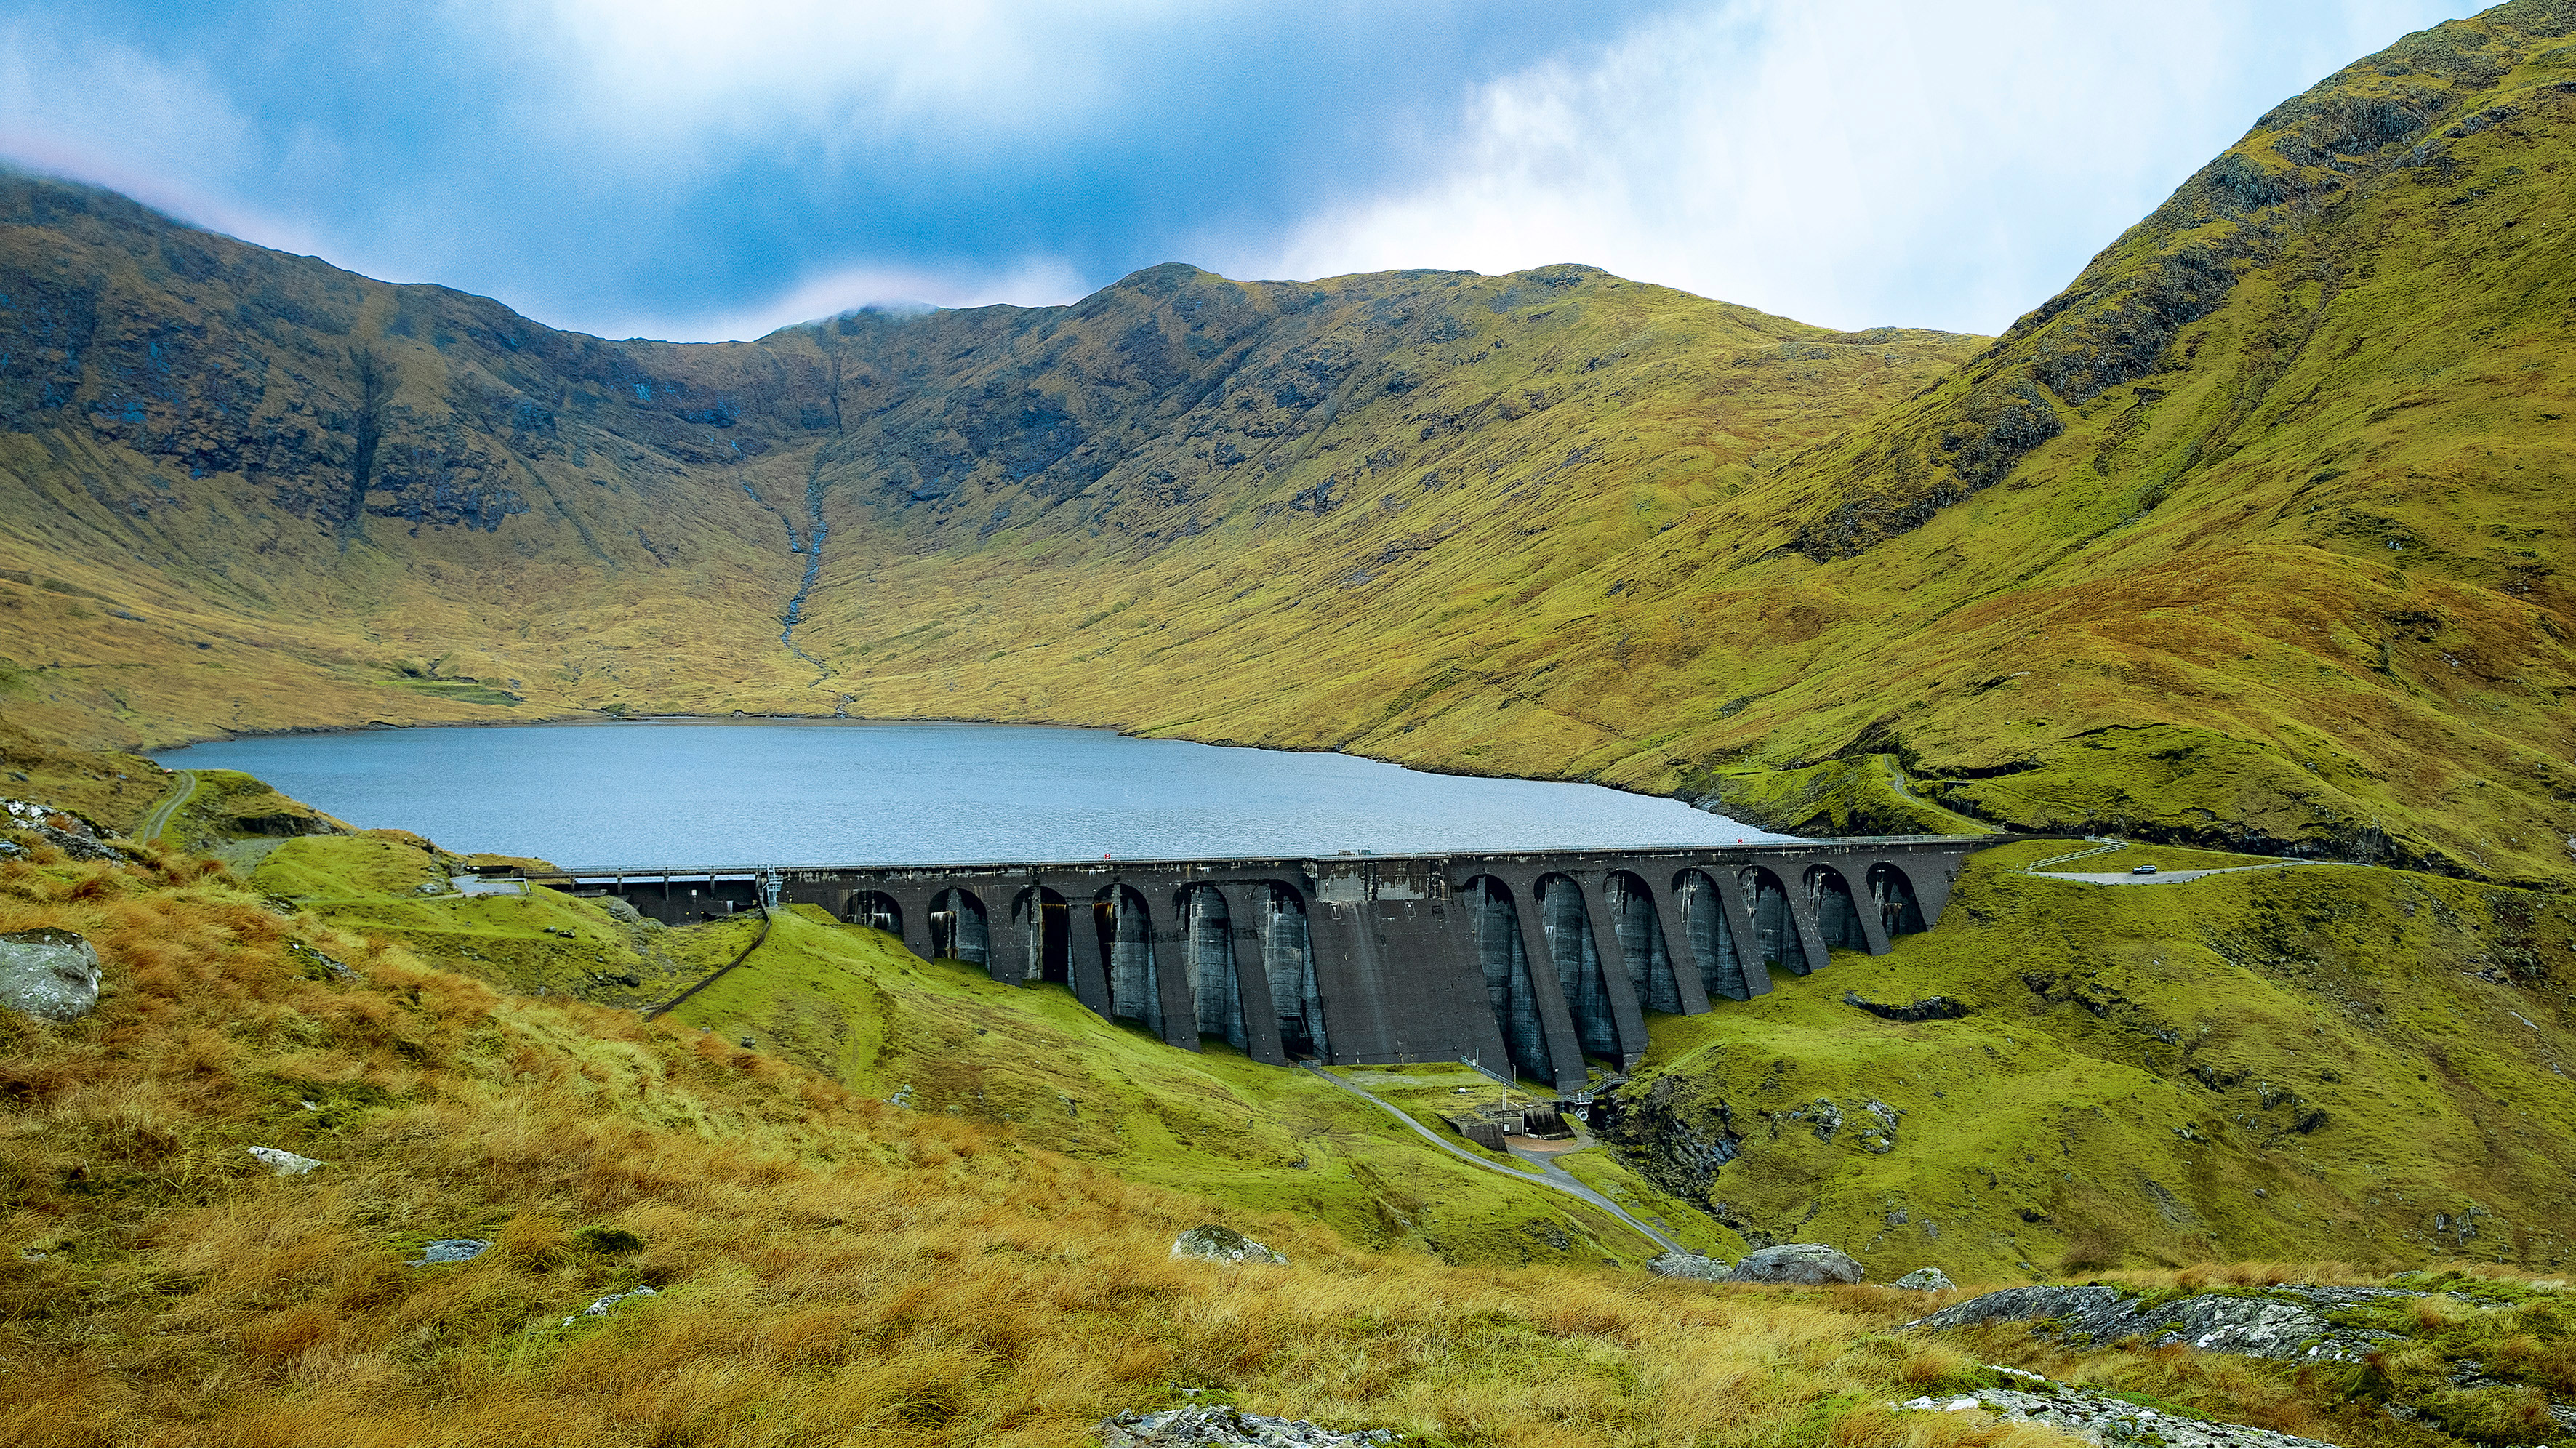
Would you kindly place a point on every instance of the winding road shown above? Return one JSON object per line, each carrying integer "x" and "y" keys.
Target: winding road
{"x": 2040, "y": 869}
{"x": 159, "y": 819}
{"x": 1549, "y": 1174}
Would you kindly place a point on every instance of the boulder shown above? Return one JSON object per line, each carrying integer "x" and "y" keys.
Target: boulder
{"x": 48, "y": 973}
{"x": 283, "y": 1162}
{"x": 1813, "y": 1264}
{"x": 1199, "y": 1424}
{"x": 1688, "y": 1265}
{"x": 1223, "y": 1245}
{"x": 1927, "y": 1280}
{"x": 450, "y": 1250}
{"x": 600, "y": 1307}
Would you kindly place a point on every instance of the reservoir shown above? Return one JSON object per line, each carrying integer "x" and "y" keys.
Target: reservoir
{"x": 685, "y": 793}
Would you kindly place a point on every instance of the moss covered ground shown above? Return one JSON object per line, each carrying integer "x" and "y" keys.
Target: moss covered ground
{"x": 2323, "y": 1061}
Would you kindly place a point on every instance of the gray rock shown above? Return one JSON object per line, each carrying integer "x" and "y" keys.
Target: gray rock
{"x": 283, "y": 1162}
{"x": 1225, "y": 1424}
{"x": 1223, "y": 1245}
{"x": 48, "y": 973}
{"x": 1927, "y": 1280}
{"x": 1688, "y": 1265}
{"x": 1810, "y": 1263}
{"x": 74, "y": 835}
{"x": 599, "y": 1308}
{"x": 2283, "y": 1322}
{"x": 450, "y": 1250}
{"x": 2102, "y": 1419}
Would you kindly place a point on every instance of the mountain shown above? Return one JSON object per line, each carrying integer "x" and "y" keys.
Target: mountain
{"x": 2249, "y": 537}
{"x": 330, "y": 500}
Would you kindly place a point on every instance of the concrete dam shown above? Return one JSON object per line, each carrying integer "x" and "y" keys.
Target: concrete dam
{"x": 1523, "y": 963}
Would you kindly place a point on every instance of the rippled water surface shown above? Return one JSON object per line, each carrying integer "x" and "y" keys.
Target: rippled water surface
{"x": 675, "y": 793}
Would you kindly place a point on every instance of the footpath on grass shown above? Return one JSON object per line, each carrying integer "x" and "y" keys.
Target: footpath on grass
{"x": 1547, "y": 1172}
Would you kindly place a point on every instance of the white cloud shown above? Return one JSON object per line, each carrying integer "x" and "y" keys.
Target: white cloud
{"x": 164, "y": 133}
{"x": 1033, "y": 282}
{"x": 831, "y": 70}
{"x": 1848, "y": 162}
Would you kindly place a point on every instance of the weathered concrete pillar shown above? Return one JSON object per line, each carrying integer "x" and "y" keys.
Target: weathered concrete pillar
{"x": 1244, "y": 906}
{"x": 1084, "y": 963}
{"x": 1626, "y": 1019}
{"x": 1739, "y": 924}
{"x": 1006, "y": 936}
{"x": 913, "y": 901}
{"x": 1555, "y": 1012}
{"x": 1678, "y": 959}
{"x": 1811, "y": 932}
{"x": 1170, "y": 946}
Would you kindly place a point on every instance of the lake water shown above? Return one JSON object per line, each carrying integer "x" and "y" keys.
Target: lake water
{"x": 852, "y": 793}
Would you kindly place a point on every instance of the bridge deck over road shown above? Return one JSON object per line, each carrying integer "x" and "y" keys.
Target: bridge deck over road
{"x": 1526, "y": 961}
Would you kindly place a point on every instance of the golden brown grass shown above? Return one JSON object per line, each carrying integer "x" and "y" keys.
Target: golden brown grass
{"x": 831, "y": 1269}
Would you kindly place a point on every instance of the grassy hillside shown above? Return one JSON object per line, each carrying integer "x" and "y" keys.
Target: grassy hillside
{"x": 851, "y": 1005}
{"x": 873, "y": 1225}
{"x": 2313, "y": 1060}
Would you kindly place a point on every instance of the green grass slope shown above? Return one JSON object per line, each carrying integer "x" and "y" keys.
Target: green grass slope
{"x": 853, "y": 1006}
{"x": 2311, "y": 1061}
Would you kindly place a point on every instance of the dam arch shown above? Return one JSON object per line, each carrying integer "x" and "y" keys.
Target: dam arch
{"x": 876, "y": 909}
{"x": 1891, "y": 892}
{"x": 959, "y": 928}
{"x": 1775, "y": 926}
{"x": 1042, "y": 922}
{"x": 1837, "y": 915}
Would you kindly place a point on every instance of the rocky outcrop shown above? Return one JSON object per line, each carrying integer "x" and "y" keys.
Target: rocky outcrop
{"x": 450, "y": 1250}
{"x": 48, "y": 973}
{"x": 1927, "y": 1280}
{"x": 1812, "y": 1264}
{"x": 1929, "y": 1008}
{"x": 1225, "y": 1424}
{"x": 599, "y": 1307}
{"x": 75, "y": 836}
{"x": 2284, "y": 1322}
{"x": 1689, "y": 1265}
{"x": 283, "y": 1162}
{"x": 2089, "y": 1414}
{"x": 1223, "y": 1245}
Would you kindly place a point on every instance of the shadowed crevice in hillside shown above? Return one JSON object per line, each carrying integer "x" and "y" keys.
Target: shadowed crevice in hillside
{"x": 816, "y": 531}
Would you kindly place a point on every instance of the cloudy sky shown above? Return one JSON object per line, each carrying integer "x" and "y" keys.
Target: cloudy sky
{"x": 692, "y": 171}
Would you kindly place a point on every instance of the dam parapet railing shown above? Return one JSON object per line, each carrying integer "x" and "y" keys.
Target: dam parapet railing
{"x": 1535, "y": 958}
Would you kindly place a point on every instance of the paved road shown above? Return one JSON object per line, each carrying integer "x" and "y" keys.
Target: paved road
{"x": 2162, "y": 877}
{"x": 159, "y": 819}
{"x": 1549, "y": 1174}
{"x": 2040, "y": 869}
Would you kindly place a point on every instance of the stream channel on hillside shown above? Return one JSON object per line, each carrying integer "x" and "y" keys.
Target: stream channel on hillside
{"x": 684, "y": 793}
